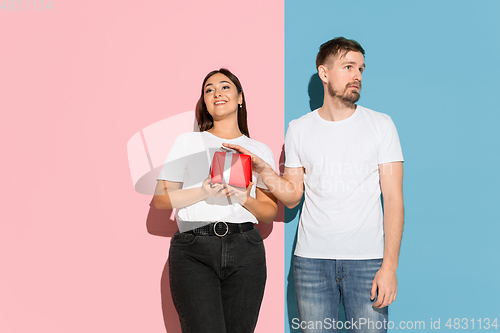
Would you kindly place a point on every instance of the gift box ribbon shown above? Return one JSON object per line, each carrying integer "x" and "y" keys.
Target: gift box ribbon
{"x": 232, "y": 169}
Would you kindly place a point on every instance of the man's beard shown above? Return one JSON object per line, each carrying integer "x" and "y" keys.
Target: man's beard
{"x": 347, "y": 97}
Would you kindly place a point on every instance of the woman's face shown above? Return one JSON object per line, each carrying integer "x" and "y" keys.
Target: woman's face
{"x": 221, "y": 96}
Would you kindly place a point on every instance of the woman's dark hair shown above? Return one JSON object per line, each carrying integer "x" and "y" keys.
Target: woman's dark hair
{"x": 205, "y": 120}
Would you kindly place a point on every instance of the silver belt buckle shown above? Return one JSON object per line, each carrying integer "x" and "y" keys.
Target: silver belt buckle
{"x": 215, "y": 230}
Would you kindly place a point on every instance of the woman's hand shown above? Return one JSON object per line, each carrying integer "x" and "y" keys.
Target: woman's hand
{"x": 213, "y": 189}
{"x": 258, "y": 163}
{"x": 239, "y": 194}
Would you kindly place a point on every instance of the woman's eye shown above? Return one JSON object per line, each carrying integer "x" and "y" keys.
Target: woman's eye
{"x": 208, "y": 91}
{"x": 225, "y": 87}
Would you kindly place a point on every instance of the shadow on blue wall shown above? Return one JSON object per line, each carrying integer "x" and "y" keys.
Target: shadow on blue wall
{"x": 316, "y": 92}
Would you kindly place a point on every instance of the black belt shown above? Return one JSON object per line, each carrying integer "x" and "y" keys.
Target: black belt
{"x": 221, "y": 229}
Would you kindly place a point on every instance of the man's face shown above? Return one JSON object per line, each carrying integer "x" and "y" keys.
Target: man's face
{"x": 344, "y": 75}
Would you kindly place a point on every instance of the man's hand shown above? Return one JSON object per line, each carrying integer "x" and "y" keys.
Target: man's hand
{"x": 287, "y": 189}
{"x": 384, "y": 287}
{"x": 258, "y": 163}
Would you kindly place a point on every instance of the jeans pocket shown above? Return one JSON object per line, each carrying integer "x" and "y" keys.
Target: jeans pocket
{"x": 253, "y": 236}
{"x": 182, "y": 239}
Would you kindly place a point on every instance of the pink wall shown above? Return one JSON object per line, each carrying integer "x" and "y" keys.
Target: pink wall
{"x": 77, "y": 249}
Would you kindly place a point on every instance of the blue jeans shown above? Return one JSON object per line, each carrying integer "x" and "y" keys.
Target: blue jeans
{"x": 321, "y": 283}
{"x": 217, "y": 283}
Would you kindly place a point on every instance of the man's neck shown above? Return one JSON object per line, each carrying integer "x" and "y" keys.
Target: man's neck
{"x": 336, "y": 110}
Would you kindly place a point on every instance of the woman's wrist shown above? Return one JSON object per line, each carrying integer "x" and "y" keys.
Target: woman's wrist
{"x": 204, "y": 193}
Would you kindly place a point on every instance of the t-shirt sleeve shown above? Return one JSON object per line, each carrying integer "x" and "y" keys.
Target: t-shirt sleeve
{"x": 175, "y": 163}
{"x": 292, "y": 159}
{"x": 390, "y": 147}
{"x": 268, "y": 157}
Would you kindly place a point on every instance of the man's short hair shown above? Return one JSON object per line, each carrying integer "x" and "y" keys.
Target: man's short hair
{"x": 337, "y": 46}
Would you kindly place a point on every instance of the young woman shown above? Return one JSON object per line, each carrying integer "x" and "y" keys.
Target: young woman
{"x": 217, "y": 259}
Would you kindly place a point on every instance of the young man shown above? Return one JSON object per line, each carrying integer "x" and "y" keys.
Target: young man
{"x": 342, "y": 156}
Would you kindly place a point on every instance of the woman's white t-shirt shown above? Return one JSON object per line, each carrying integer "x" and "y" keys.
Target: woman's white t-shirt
{"x": 189, "y": 162}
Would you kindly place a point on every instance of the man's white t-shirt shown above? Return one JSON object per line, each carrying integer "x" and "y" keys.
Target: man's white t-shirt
{"x": 189, "y": 162}
{"x": 342, "y": 213}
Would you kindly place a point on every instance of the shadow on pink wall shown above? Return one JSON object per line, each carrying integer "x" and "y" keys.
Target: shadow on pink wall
{"x": 160, "y": 223}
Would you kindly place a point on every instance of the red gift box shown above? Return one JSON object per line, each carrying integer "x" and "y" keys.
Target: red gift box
{"x": 232, "y": 169}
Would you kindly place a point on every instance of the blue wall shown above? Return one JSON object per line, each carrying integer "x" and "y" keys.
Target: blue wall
{"x": 433, "y": 66}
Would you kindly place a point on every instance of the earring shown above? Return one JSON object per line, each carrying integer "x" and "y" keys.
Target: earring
{"x": 240, "y": 106}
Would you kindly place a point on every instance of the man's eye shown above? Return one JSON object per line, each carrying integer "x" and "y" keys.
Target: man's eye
{"x": 347, "y": 67}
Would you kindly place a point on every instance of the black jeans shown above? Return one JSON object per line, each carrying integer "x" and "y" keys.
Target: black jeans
{"x": 217, "y": 283}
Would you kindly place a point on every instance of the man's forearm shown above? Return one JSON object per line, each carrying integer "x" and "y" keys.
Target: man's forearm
{"x": 393, "y": 230}
{"x": 288, "y": 192}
